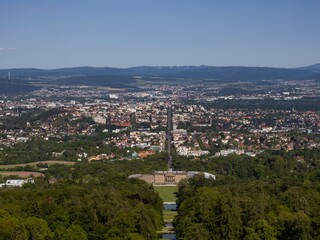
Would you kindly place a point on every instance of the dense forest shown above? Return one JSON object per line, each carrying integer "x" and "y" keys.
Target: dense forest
{"x": 257, "y": 210}
{"x": 274, "y": 196}
{"x": 90, "y": 201}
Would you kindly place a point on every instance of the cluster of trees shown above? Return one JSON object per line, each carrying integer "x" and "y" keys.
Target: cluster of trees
{"x": 90, "y": 201}
{"x": 248, "y": 211}
{"x": 272, "y": 196}
{"x": 127, "y": 167}
{"x": 251, "y": 211}
{"x": 300, "y": 163}
{"x": 83, "y": 171}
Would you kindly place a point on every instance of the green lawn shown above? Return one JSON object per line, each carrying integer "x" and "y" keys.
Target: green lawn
{"x": 167, "y": 193}
{"x": 168, "y": 215}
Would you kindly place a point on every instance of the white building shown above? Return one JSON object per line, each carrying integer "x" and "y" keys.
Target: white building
{"x": 99, "y": 119}
{"x": 113, "y": 96}
{"x": 16, "y": 182}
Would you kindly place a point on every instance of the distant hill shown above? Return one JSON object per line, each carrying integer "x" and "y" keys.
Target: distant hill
{"x": 190, "y": 72}
{"x": 94, "y": 71}
{"x": 82, "y": 71}
{"x": 160, "y": 71}
{"x": 15, "y": 87}
{"x": 241, "y": 73}
{"x": 313, "y": 68}
{"x": 313, "y": 76}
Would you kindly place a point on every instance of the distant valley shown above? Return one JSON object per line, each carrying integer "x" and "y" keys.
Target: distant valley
{"x": 29, "y": 79}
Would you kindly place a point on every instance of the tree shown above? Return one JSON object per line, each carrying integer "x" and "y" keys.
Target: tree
{"x": 11, "y": 227}
{"x": 227, "y": 219}
{"x": 261, "y": 230}
{"x": 75, "y": 232}
{"x": 296, "y": 226}
{"x": 37, "y": 228}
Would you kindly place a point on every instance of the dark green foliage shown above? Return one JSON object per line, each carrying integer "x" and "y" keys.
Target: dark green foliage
{"x": 106, "y": 205}
{"x": 281, "y": 209}
{"x": 270, "y": 166}
{"x": 215, "y": 211}
{"x": 272, "y": 196}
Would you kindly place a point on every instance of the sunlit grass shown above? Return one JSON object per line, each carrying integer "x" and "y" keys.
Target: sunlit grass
{"x": 169, "y": 215}
{"x": 167, "y": 193}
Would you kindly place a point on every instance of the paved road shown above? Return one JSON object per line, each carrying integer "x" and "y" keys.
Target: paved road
{"x": 169, "y": 136}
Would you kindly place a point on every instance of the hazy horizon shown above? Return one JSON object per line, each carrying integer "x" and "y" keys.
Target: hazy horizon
{"x": 122, "y": 33}
{"x": 155, "y": 66}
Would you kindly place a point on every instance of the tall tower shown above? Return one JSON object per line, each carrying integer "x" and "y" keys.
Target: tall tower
{"x": 9, "y": 77}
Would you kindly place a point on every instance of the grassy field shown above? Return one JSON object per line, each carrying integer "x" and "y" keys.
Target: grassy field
{"x": 167, "y": 193}
{"x": 169, "y": 215}
{"x": 50, "y": 162}
{"x": 22, "y": 174}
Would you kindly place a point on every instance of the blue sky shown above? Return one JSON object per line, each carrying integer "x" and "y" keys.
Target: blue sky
{"x": 122, "y": 33}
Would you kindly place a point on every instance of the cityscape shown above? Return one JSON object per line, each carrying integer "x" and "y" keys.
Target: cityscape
{"x": 159, "y": 120}
{"x": 160, "y": 134}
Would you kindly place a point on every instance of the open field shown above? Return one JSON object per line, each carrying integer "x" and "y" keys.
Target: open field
{"x": 169, "y": 215}
{"x": 22, "y": 174}
{"x": 51, "y": 162}
{"x": 167, "y": 193}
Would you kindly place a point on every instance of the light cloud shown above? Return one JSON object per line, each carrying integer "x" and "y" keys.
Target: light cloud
{"x": 6, "y": 49}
